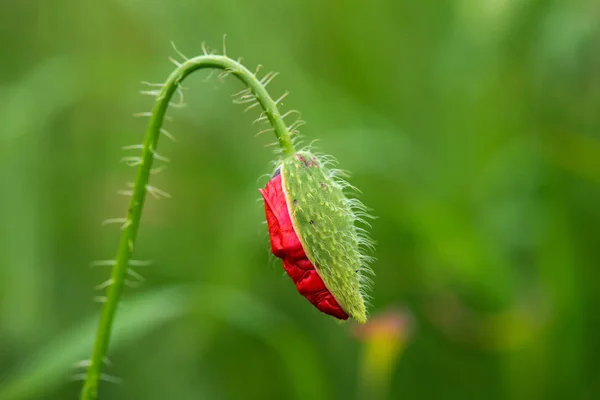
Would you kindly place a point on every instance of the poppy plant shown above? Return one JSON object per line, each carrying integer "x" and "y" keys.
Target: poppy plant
{"x": 312, "y": 229}
{"x": 311, "y": 221}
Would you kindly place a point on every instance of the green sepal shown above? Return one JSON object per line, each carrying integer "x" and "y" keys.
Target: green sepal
{"x": 323, "y": 219}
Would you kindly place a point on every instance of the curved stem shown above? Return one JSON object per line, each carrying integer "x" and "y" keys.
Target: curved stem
{"x": 128, "y": 237}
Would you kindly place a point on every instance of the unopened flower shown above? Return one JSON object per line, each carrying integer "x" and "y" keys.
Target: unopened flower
{"x": 312, "y": 229}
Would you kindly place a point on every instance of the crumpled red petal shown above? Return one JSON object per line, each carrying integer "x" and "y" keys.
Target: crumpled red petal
{"x": 286, "y": 245}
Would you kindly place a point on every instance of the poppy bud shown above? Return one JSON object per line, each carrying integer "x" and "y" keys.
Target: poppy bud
{"x": 312, "y": 229}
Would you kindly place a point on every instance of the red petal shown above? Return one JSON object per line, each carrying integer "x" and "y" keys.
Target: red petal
{"x": 283, "y": 238}
{"x": 286, "y": 245}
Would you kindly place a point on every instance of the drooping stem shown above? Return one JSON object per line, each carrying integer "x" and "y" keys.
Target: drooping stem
{"x": 129, "y": 234}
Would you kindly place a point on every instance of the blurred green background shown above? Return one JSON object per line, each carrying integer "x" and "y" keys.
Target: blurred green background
{"x": 471, "y": 127}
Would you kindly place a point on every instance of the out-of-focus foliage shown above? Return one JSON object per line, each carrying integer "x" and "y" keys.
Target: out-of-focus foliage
{"x": 471, "y": 127}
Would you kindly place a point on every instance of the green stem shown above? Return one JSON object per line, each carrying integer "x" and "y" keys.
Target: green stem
{"x": 128, "y": 237}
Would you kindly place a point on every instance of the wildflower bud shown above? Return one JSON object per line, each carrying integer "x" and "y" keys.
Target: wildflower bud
{"x": 312, "y": 229}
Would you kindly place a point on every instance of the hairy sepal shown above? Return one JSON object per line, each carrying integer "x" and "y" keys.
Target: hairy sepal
{"x": 325, "y": 220}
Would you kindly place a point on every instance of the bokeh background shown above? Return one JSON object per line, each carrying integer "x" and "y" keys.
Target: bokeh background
{"x": 471, "y": 127}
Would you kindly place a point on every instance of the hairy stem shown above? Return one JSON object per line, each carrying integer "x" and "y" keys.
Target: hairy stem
{"x": 128, "y": 237}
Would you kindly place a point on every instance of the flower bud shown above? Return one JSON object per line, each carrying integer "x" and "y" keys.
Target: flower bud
{"x": 312, "y": 229}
